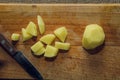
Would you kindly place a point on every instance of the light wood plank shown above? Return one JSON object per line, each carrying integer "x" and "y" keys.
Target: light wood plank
{"x": 76, "y": 64}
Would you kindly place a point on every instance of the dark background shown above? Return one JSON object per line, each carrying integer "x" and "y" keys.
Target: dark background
{"x": 59, "y": 1}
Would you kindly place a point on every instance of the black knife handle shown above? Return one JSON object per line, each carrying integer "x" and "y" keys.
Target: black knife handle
{"x": 27, "y": 65}
{"x": 7, "y": 46}
{"x": 20, "y": 58}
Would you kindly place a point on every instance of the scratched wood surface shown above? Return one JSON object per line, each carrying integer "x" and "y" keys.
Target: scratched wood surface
{"x": 77, "y": 63}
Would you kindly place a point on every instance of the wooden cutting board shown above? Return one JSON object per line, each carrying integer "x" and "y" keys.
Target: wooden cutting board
{"x": 77, "y": 63}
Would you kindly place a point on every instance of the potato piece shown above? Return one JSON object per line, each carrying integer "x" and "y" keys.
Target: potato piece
{"x": 15, "y": 37}
{"x": 25, "y": 35}
{"x": 93, "y": 36}
{"x": 61, "y": 33}
{"x": 41, "y": 24}
{"x": 37, "y": 46}
{"x": 62, "y": 46}
{"x": 39, "y": 52}
{"x": 47, "y": 39}
{"x": 50, "y": 51}
{"x": 31, "y": 28}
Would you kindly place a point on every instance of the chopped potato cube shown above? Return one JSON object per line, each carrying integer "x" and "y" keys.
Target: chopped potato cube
{"x": 93, "y": 36}
{"x": 61, "y": 33}
{"x": 62, "y": 46}
{"x": 31, "y": 28}
{"x": 41, "y": 24}
{"x": 25, "y": 35}
{"x": 15, "y": 37}
{"x": 37, "y": 46}
{"x": 50, "y": 51}
{"x": 48, "y": 39}
{"x": 39, "y": 52}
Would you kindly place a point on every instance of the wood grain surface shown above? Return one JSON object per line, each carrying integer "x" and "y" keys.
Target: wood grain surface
{"x": 77, "y": 63}
{"x": 59, "y": 1}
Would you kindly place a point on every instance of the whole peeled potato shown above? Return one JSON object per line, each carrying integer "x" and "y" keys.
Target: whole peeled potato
{"x": 93, "y": 36}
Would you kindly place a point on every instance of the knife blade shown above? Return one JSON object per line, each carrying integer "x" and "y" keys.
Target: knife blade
{"x": 20, "y": 58}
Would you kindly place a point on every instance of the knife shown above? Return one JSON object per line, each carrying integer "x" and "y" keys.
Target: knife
{"x": 20, "y": 58}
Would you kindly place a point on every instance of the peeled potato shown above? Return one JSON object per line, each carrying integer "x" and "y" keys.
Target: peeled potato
{"x": 47, "y": 39}
{"x": 25, "y": 35}
{"x": 41, "y": 24}
{"x": 31, "y": 28}
{"x": 39, "y": 52}
{"x": 61, "y": 33}
{"x": 62, "y": 46}
{"x": 15, "y": 37}
{"x": 50, "y": 51}
{"x": 37, "y": 46}
{"x": 93, "y": 36}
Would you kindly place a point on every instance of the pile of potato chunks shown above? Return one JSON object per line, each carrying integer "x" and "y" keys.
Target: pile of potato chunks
{"x": 39, "y": 48}
{"x": 92, "y": 38}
